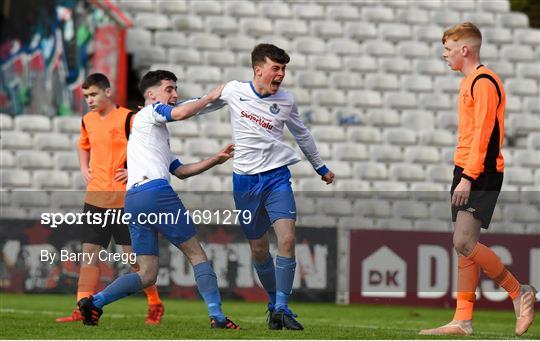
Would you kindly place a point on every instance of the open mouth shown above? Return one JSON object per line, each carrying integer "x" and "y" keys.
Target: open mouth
{"x": 276, "y": 83}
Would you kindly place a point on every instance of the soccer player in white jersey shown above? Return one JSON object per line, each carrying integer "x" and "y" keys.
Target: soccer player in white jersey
{"x": 150, "y": 161}
{"x": 261, "y": 180}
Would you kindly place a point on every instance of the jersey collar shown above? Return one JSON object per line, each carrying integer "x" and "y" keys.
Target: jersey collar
{"x": 256, "y": 93}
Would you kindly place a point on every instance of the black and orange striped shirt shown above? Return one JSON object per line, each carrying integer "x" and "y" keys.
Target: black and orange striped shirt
{"x": 481, "y": 104}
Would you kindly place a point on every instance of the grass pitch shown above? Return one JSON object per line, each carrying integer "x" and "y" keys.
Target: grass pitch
{"x": 32, "y": 317}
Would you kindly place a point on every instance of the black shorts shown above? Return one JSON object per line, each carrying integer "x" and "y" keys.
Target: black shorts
{"x": 101, "y": 235}
{"x": 483, "y": 198}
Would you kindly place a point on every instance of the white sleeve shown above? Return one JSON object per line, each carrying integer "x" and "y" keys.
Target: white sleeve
{"x": 304, "y": 138}
{"x": 210, "y": 107}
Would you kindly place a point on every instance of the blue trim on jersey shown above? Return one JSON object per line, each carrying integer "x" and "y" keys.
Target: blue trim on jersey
{"x": 256, "y": 93}
{"x": 174, "y": 165}
{"x": 323, "y": 170}
{"x": 164, "y": 110}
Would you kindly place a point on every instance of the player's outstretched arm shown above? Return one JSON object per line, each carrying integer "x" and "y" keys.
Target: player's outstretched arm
{"x": 185, "y": 171}
{"x": 184, "y": 111}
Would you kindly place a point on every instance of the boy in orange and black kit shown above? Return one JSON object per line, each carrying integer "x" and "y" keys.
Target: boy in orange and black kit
{"x": 478, "y": 178}
{"x": 102, "y": 155}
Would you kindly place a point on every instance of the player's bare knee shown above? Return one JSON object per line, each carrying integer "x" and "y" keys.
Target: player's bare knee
{"x": 463, "y": 246}
{"x": 91, "y": 252}
{"x": 260, "y": 254}
{"x": 287, "y": 242}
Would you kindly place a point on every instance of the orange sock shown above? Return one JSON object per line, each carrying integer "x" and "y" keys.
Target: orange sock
{"x": 152, "y": 295}
{"x": 88, "y": 281}
{"x": 494, "y": 269}
{"x": 468, "y": 277}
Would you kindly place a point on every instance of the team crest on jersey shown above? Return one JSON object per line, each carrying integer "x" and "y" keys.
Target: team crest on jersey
{"x": 274, "y": 109}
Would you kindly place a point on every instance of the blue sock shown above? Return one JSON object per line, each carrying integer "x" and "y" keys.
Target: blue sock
{"x": 120, "y": 288}
{"x": 207, "y": 284}
{"x": 267, "y": 275}
{"x": 285, "y": 268}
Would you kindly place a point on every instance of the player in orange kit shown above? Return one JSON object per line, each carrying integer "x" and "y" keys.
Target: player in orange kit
{"x": 478, "y": 178}
{"x": 102, "y": 155}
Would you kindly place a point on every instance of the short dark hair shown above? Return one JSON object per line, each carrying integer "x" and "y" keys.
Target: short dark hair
{"x": 153, "y": 78}
{"x": 262, "y": 51}
{"x": 97, "y": 79}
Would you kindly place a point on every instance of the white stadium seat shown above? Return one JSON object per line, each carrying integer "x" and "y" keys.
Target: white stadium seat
{"x": 417, "y": 83}
{"x": 447, "y": 120}
{"x": 346, "y": 80}
{"x": 240, "y": 74}
{"x": 361, "y": 64}
{"x": 202, "y": 147}
{"x": 529, "y": 70}
{"x": 401, "y": 100}
{"x": 395, "y": 32}
{"x": 276, "y": 10}
{"x": 447, "y": 84}
{"x": 327, "y": 29}
{"x": 480, "y": 19}
{"x": 518, "y": 176}
{"x": 462, "y": 5}
{"x": 522, "y": 124}
{"x": 178, "y": 6}
{"x": 361, "y": 30}
{"x": 328, "y": 134}
{"x": 373, "y": 208}
{"x": 67, "y": 124}
{"x": 532, "y": 104}
{"x": 383, "y": 118}
{"x": 336, "y": 207}
{"x": 205, "y": 41}
{"x": 385, "y": 153}
{"x": 343, "y": 13}
{"x": 533, "y": 141}
{"x": 503, "y": 68}
{"x": 309, "y": 45}
{"x": 407, "y": 172}
{"x": 15, "y": 140}
{"x": 220, "y": 58}
{"x": 436, "y": 101}
{"x": 497, "y": 35}
{"x": 413, "y": 49}
{"x": 51, "y": 179}
{"x": 222, "y": 25}
{"x": 514, "y": 20}
{"x": 422, "y": 154}
{"x": 396, "y": 65}
{"x": 291, "y": 28}
{"x": 417, "y": 120}
{"x": 527, "y": 158}
{"x": 204, "y": 74}
{"x": 188, "y": 23}
{"x": 203, "y": 183}
{"x": 382, "y": 82}
{"x": 6, "y": 122}
{"x": 308, "y": 11}
{"x": 378, "y": 14}
{"x": 517, "y": 53}
{"x": 433, "y": 67}
{"x": 241, "y": 9}
{"x": 429, "y": 33}
{"x": 33, "y": 123}
{"x": 344, "y": 46}
{"x": 520, "y": 213}
{"x": 445, "y": 18}
{"x": 527, "y": 36}
{"x": 440, "y": 174}
{"x": 32, "y": 159}
{"x": 184, "y": 129}
{"x": 257, "y": 27}
{"x": 168, "y": 39}
{"x": 379, "y": 48}
{"x": 240, "y": 43}
{"x": 7, "y": 160}
{"x": 67, "y": 161}
{"x": 400, "y": 136}
{"x": 52, "y": 141}
{"x": 185, "y": 56}
{"x": 25, "y": 198}
{"x": 414, "y": 16}
{"x": 495, "y": 6}
{"x": 152, "y": 21}
{"x": 329, "y": 97}
{"x": 12, "y": 178}
{"x": 371, "y": 171}
{"x": 350, "y": 151}
{"x": 208, "y": 7}
{"x": 437, "y": 138}
{"x": 73, "y": 200}
{"x": 366, "y": 135}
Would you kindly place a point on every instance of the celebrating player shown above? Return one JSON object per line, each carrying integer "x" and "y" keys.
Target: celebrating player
{"x": 478, "y": 177}
{"x": 261, "y": 180}
{"x": 102, "y": 154}
{"x": 149, "y": 161}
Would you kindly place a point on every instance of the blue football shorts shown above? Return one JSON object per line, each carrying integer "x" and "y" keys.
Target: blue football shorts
{"x": 155, "y": 207}
{"x": 268, "y": 196}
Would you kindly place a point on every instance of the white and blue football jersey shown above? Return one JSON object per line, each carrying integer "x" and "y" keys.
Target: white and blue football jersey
{"x": 149, "y": 155}
{"x": 258, "y": 122}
